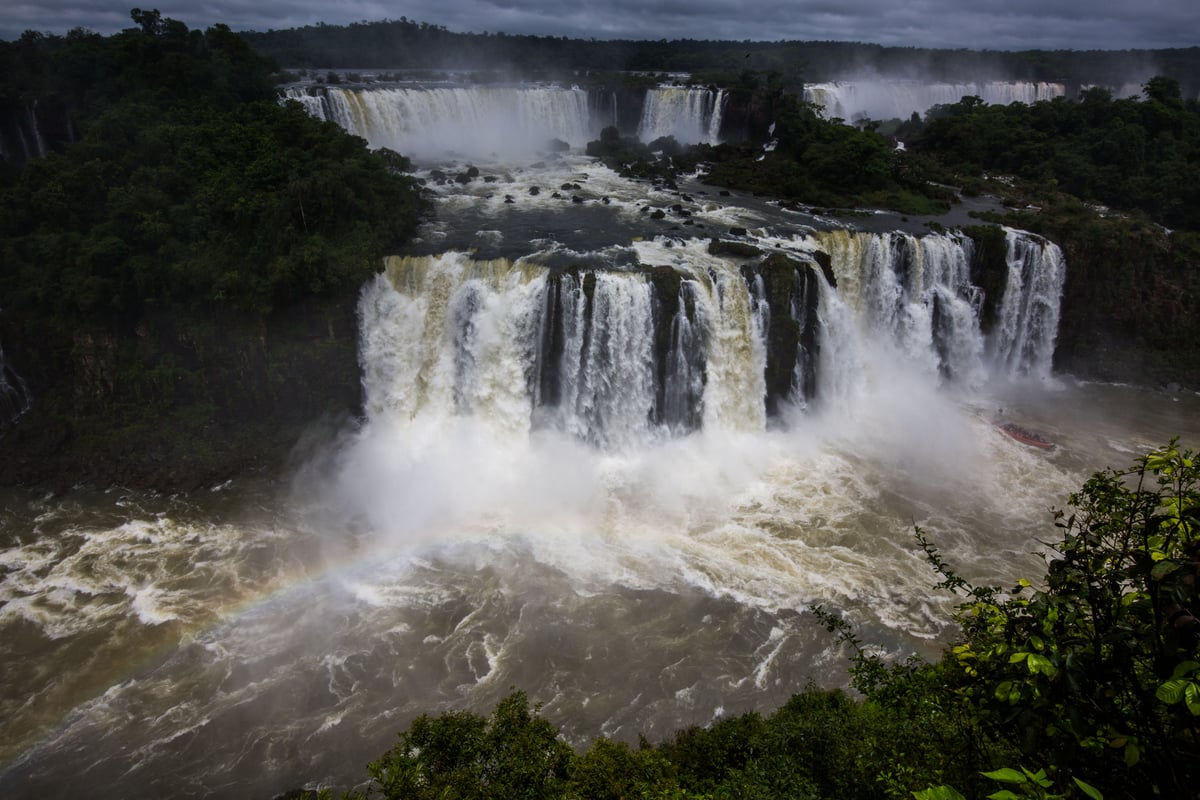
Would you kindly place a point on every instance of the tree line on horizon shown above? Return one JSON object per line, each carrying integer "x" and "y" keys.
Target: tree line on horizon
{"x": 408, "y": 44}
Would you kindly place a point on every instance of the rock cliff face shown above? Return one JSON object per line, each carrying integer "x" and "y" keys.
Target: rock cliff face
{"x": 1131, "y": 307}
{"x": 182, "y": 401}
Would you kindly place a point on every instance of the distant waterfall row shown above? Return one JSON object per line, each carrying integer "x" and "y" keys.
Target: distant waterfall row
{"x": 884, "y": 99}
{"x": 506, "y": 121}
{"x": 618, "y": 357}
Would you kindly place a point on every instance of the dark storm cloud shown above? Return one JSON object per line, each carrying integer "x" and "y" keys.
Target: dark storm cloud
{"x": 1001, "y": 24}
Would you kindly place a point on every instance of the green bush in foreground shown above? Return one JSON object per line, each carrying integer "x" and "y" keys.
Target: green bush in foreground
{"x": 1087, "y": 687}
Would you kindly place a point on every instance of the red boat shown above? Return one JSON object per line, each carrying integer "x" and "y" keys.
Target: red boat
{"x": 1024, "y": 435}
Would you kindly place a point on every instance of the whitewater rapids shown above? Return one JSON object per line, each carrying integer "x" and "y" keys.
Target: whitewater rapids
{"x": 567, "y": 480}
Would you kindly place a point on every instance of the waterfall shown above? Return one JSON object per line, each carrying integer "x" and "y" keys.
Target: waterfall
{"x": 39, "y": 143}
{"x": 691, "y": 115}
{"x": 615, "y": 358}
{"x": 314, "y": 104}
{"x": 914, "y": 297}
{"x": 855, "y": 100}
{"x": 1023, "y": 342}
{"x": 15, "y": 398}
{"x": 471, "y": 121}
{"x": 612, "y": 358}
{"x": 486, "y": 121}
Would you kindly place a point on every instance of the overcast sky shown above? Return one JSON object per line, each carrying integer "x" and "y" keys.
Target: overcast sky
{"x": 996, "y": 25}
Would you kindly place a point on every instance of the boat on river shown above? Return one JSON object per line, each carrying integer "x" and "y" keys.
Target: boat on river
{"x": 1024, "y": 435}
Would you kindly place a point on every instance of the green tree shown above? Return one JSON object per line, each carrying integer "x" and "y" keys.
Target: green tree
{"x": 512, "y": 754}
{"x": 1097, "y": 671}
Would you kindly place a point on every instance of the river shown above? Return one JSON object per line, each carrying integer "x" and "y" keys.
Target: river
{"x": 529, "y": 503}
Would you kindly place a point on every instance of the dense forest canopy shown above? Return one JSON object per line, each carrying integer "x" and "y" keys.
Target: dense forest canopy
{"x": 407, "y": 44}
{"x": 178, "y": 253}
{"x": 188, "y": 182}
{"x": 1126, "y": 153}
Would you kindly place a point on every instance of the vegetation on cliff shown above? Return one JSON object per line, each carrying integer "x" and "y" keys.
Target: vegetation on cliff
{"x": 827, "y": 163}
{"x": 1116, "y": 183}
{"x": 1130, "y": 154}
{"x": 1083, "y": 684}
{"x": 190, "y": 196}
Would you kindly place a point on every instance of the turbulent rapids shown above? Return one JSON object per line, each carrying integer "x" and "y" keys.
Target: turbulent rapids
{"x": 616, "y": 438}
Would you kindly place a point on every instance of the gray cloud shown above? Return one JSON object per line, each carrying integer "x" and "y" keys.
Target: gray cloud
{"x": 1008, "y": 25}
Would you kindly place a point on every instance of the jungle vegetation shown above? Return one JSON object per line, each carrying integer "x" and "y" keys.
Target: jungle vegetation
{"x": 406, "y": 44}
{"x": 188, "y": 182}
{"x": 183, "y": 256}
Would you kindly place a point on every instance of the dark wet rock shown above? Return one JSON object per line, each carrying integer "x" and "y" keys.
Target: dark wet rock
{"x": 489, "y": 178}
{"x": 736, "y": 231}
{"x": 657, "y": 213}
{"x": 556, "y": 196}
{"x": 508, "y": 198}
{"x": 605, "y": 200}
{"x": 724, "y": 193}
{"x": 534, "y": 191}
{"x": 721, "y": 247}
{"x": 825, "y": 262}
{"x": 576, "y": 198}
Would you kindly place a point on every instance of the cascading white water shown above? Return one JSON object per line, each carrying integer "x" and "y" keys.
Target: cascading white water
{"x": 691, "y": 115}
{"x": 914, "y": 296}
{"x": 592, "y": 354}
{"x": 855, "y": 100}
{"x": 487, "y": 121}
{"x": 313, "y": 104}
{"x": 480, "y": 121}
{"x": 1023, "y": 342}
{"x": 15, "y": 398}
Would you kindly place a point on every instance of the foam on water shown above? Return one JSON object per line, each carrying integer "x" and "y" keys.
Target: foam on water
{"x": 633, "y": 576}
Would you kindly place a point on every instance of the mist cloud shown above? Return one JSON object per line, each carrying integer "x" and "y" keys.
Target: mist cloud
{"x": 1013, "y": 25}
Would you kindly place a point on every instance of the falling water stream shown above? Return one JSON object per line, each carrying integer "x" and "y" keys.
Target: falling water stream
{"x": 579, "y": 473}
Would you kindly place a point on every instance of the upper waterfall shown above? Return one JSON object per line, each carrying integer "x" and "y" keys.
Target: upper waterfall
{"x": 892, "y": 99}
{"x": 480, "y": 121}
{"x": 505, "y": 121}
{"x": 691, "y": 115}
